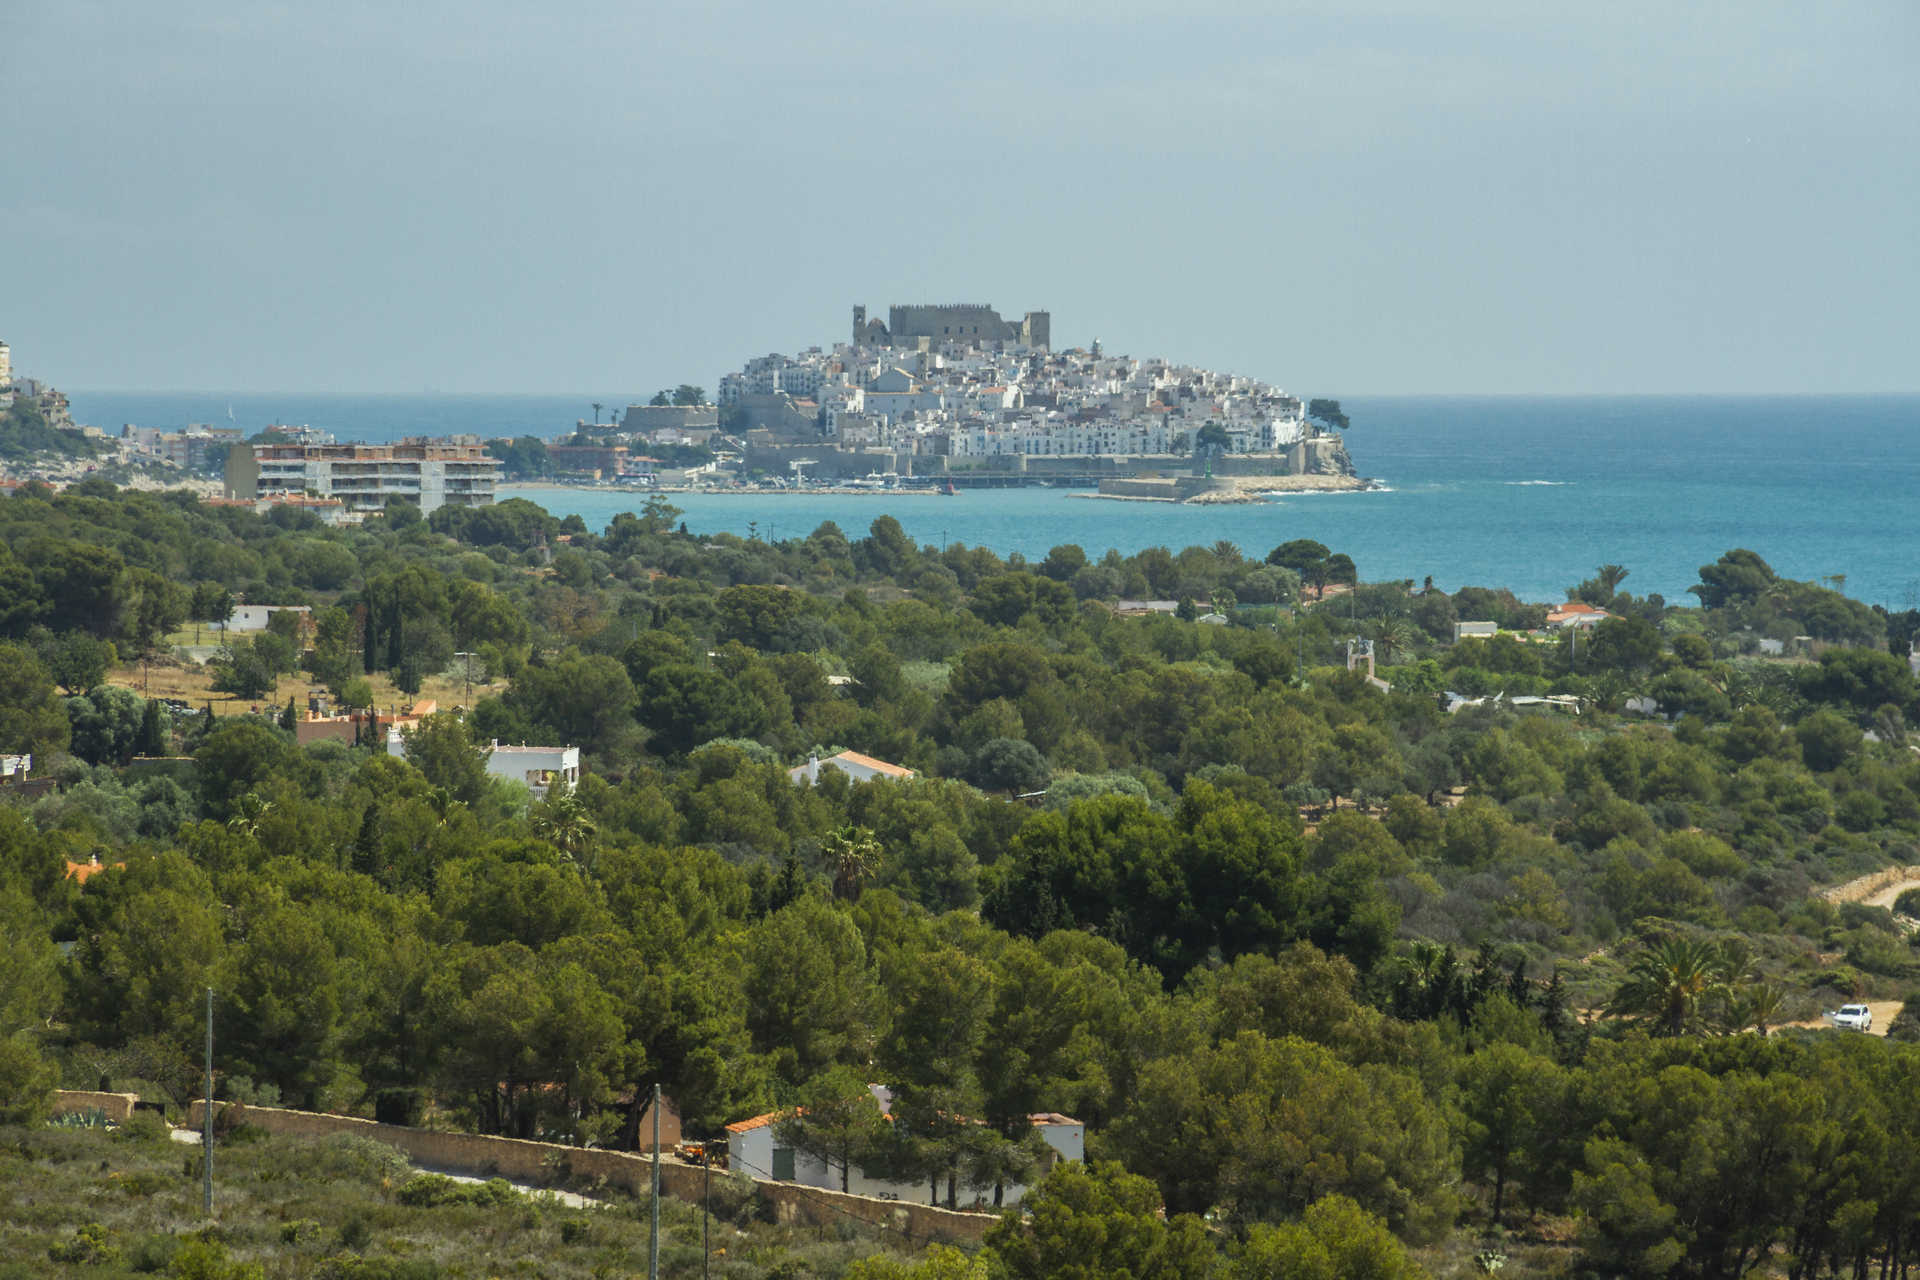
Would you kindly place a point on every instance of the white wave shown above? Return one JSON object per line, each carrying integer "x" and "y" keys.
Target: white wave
{"x": 1555, "y": 483}
{"x": 1322, "y": 493}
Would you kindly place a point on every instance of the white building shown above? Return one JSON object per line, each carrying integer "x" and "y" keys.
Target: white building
{"x": 856, "y": 766}
{"x": 538, "y": 767}
{"x": 254, "y": 617}
{"x": 433, "y": 473}
{"x": 753, "y": 1148}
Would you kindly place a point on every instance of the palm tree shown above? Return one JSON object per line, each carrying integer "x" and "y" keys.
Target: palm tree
{"x": 1394, "y": 636}
{"x": 1758, "y": 1007}
{"x": 853, "y": 853}
{"x": 247, "y": 812}
{"x": 1673, "y": 983}
{"x": 1611, "y": 576}
{"x": 563, "y": 821}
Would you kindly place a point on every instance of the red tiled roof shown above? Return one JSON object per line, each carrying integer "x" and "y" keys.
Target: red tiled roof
{"x": 81, "y": 870}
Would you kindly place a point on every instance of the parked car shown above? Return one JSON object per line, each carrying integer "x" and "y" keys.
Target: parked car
{"x": 1852, "y": 1017}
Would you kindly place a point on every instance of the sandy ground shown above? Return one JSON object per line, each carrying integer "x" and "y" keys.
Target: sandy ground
{"x": 1884, "y": 1012}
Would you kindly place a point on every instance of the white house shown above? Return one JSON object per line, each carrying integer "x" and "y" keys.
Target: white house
{"x": 856, "y": 766}
{"x": 538, "y": 767}
{"x": 254, "y": 617}
{"x": 753, "y": 1148}
{"x": 12, "y": 767}
{"x": 1575, "y": 613}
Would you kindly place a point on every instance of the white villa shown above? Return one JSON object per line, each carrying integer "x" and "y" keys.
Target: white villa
{"x": 753, "y": 1148}
{"x": 538, "y": 767}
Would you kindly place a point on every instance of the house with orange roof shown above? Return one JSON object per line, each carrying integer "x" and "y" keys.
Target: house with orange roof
{"x": 1576, "y": 613}
{"x": 80, "y": 871}
{"x": 856, "y": 766}
{"x": 754, "y": 1148}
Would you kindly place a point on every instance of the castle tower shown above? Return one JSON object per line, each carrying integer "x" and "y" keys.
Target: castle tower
{"x": 6, "y": 366}
{"x": 1036, "y": 330}
{"x": 859, "y": 325}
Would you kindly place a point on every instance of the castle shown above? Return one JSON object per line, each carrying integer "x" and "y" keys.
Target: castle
{"x": 966, "y": 323}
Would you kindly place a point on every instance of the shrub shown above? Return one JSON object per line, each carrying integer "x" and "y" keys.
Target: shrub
{"x": 145, "y": 1126}
{"x": 88, "y": 1247}
{"x": 26, "y": 1082}
{"x": 152, "y": 1254}
{"x": 206, "y": 1259}
{"x": 350, "y": 1268}
{"x": 356, "y": 1232}
{"x": 432, "y": 1190}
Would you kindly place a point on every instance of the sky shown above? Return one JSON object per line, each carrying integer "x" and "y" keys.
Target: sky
{"x": 1343, "y": 197}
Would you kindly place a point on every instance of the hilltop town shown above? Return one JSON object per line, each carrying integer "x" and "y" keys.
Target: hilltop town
{"x": 957, "y": 395}
{"x": 957, "y": 392}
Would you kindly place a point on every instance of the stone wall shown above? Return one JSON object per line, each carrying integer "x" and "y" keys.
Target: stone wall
{"x": 117, "y": 1106}
{"x": 1173, "y": 489}
{"x": 521, "y": 1161}
{"x": 1872, "y": 884}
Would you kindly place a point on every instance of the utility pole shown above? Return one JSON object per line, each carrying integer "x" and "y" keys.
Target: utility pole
{"x": 206, "y": 1121}
{"x": 653, "y": 1241}
{"x": 706, "y": 1200}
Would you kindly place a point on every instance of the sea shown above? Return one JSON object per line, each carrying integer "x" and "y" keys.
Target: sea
{"x": 1531, "y": 493}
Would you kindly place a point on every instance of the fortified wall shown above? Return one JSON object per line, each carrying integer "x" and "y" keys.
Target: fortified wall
{"x": 909, "y": 326}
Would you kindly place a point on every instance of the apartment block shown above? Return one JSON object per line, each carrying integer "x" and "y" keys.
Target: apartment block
{"x": 455, "y": 471}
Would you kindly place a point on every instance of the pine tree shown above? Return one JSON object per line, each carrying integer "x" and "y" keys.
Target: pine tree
{"x": 153, "y": 731}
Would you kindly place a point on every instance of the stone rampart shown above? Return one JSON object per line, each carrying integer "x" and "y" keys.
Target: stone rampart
{"x": 1171, "y": 489}
{"x": 521, "y": 1161}
{"x": 116, "y": 1106}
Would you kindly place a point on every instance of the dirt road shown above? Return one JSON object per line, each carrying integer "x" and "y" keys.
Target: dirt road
{"x": 1878, "y": 889}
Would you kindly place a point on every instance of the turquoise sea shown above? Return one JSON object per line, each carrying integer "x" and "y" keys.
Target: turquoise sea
{"x": 1525, "y": 492}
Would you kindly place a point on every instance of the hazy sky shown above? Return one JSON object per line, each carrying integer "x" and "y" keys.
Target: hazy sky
{"x": 1345, "y": 197}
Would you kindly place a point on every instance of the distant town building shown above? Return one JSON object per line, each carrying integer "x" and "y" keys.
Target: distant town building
{"x": 1575, "y": 613}
{"x": 1472, "y": 630}
{"x": 856, "y": 766}
{"x": 588, "y": 459}
{"x": 255, "y": 617}
{"x": 699, "y": 420}
{"x": 433, "y": 473}
{"x": 538, "y": 767}
{"x": 964, "y": 384}
{"x": 950, "y": 322}
{"x": 754, "y": 1148}
{"x": 194, "y": 449}
{"x": 6, "y": 375}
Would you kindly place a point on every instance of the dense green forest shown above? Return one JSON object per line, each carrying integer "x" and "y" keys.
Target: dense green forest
{"x": 1328, "y": 971}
